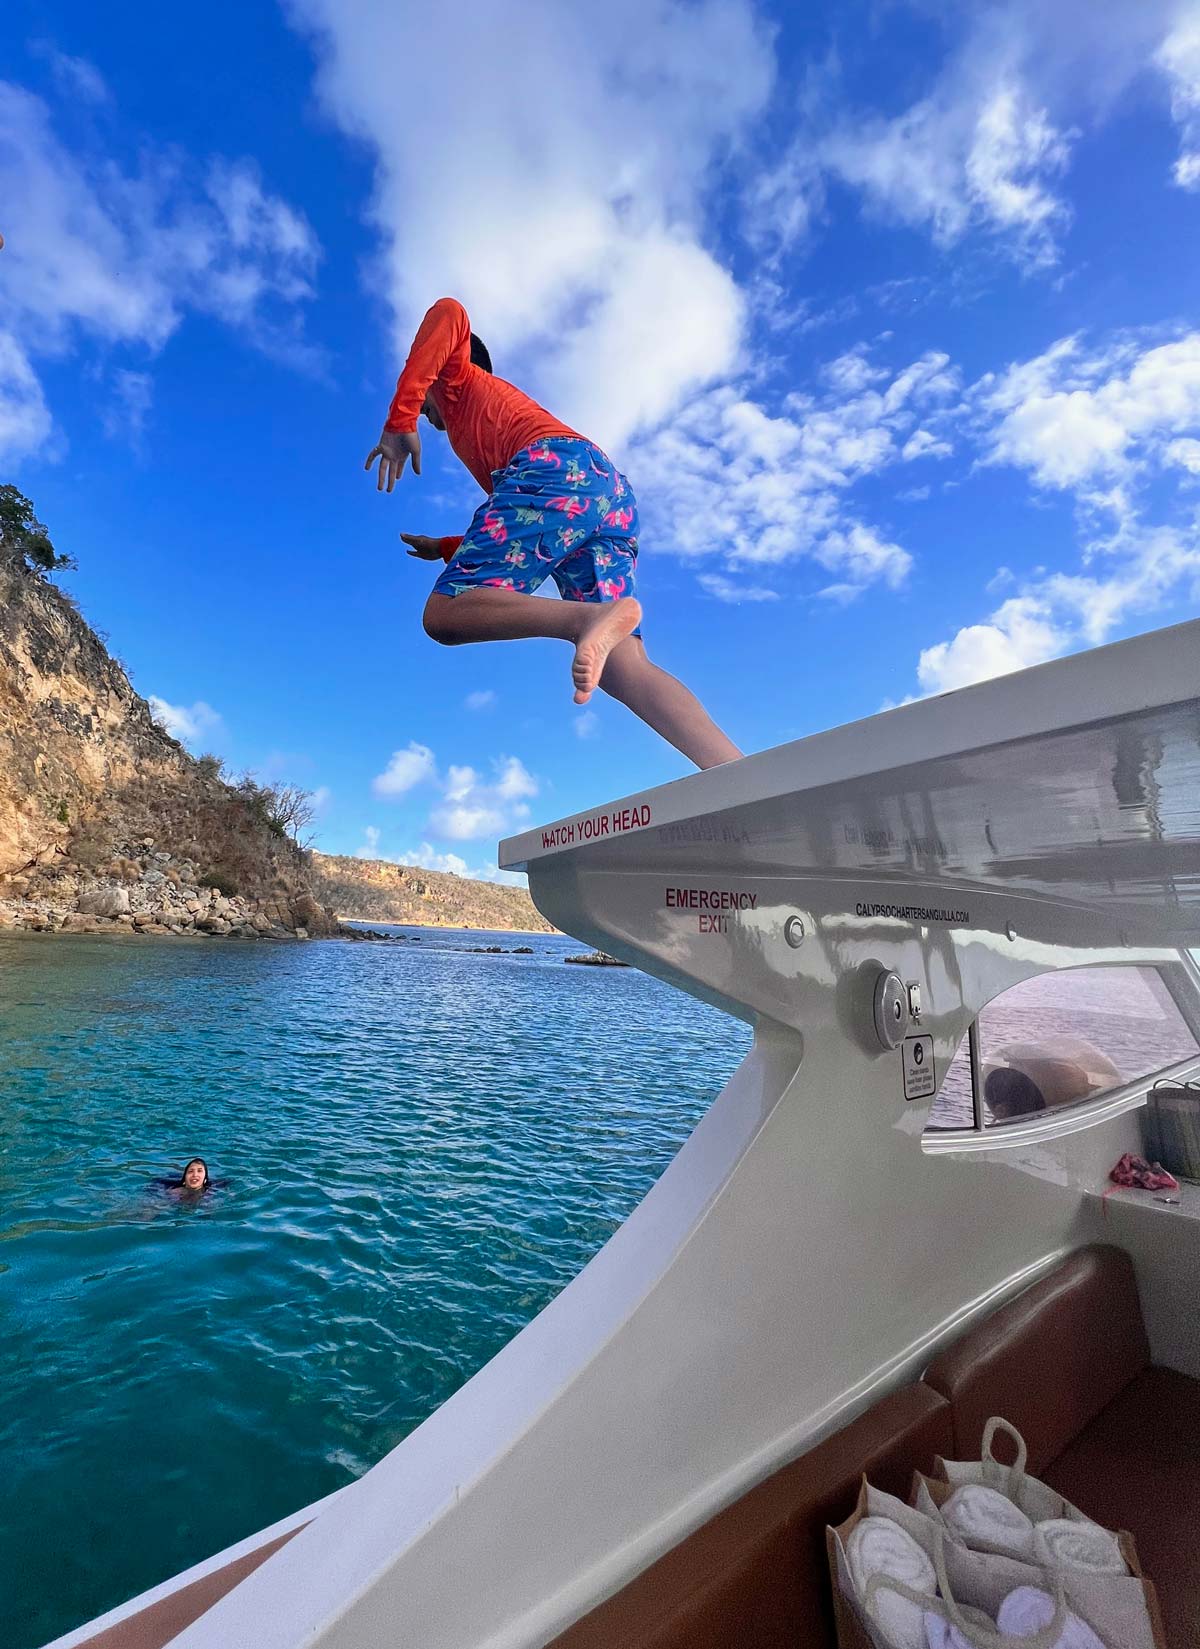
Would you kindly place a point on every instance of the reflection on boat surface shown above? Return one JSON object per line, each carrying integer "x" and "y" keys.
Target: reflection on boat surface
{"x": 821, "y": 1283}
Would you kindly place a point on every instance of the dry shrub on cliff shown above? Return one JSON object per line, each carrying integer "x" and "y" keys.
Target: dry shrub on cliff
{"x": 224, "y": 879}
{"x": 228, "y": 832}
{"x": 237, "y": 835}
{"x": 91, "y": 845}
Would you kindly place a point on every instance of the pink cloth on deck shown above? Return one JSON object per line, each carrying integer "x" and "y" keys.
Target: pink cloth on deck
{"x": 1141, "y": 1175}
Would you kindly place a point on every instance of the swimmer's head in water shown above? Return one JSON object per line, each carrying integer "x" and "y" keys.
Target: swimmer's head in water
{"x": 1010, "y": 1093}
{"x": 195, "y": 1175}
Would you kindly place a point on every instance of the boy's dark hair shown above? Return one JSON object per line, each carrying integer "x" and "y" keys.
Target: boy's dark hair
{"x": 479, "y": 354}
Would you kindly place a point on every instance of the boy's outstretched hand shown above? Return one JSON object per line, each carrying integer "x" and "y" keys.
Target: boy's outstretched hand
{"x": 393, "y": 451}
{"x": 424, "y": 548}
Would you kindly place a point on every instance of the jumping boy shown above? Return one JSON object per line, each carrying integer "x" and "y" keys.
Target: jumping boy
{"x": 557, "y": 507}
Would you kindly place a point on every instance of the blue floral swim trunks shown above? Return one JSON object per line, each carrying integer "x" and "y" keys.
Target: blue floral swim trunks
{"x": 560, "y": 509}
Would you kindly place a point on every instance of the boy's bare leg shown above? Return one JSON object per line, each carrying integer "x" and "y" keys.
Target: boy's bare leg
{"x": 666, "y": 705}
{"x": 594, "y": 628}
{"x": 606, "y": 655}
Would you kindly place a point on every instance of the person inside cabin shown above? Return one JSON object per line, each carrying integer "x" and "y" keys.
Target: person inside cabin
{"x": 556, "y": 507}
{"x": 1010, "y": 1093}
{"x": 1026, "y": 1077}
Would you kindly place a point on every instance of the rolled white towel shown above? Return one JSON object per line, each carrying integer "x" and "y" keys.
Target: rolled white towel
{"x": 901, "y": 1620}
{"x": 1028, "y": 1609}
{"x": 879, "y": 1546}
{"x": 943, "y": 1634}
{"x": 978, "y": 1514}
{"x": 1064, "y": 1543}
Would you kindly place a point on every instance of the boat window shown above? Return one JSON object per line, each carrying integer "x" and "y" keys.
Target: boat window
{"x": 1061, "y": 1040}
{"x": 954, "y": 1107}
{"x": 1064, "y": 1038}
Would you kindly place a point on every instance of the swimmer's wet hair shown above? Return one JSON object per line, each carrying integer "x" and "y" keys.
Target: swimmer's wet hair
{"x": 479, "y": 354}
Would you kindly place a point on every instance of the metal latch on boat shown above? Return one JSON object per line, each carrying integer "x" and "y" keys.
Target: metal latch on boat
{"x": 891, "y": 1009}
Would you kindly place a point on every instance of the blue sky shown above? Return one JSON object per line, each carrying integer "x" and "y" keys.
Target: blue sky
{"x": 888, "y": 309}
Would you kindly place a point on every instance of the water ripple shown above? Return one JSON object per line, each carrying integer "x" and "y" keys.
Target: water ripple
{"x": 422, "y": 1146}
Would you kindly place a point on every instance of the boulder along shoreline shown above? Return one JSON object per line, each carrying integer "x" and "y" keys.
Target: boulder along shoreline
{"x": 157, "y": 894}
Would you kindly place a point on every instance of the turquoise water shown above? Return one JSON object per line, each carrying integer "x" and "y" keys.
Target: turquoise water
{"x": 422, "y": 1146}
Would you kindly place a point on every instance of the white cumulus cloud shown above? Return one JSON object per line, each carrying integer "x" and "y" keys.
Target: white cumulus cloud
{"x": 604, "y": 172}
{"x": 1018, "y": 634}
{"x": 133, "y": 393}
{"x": 852, "y": 371}
{"x": 407, "y": 768}
{"x": 1076, "y": 418}
{"x": 1186, "y": 453}
{"x": 25, "y": 422}
{"x": 985, "y": 147}
{"x": 473, "y": 807}
{"x": 732, "y": 591}
{"x": 921, "y": 444}
{"x": 191, "y": 724}
{"x": 862, "y": 558}
{"x": 1179, "y": 59}
{"x": 102, "y": 255}
{"x": 1054, "y": 613}
{"x": 1109, "y": 423}
{"x": 729, "y": 479}
{"x": 979, "y": 152}
{"x": 122, "y": 256}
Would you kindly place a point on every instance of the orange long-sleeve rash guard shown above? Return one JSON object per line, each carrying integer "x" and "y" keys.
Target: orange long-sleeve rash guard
{"x": 487, "y": 420}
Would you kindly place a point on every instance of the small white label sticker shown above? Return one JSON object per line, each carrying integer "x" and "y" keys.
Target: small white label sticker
{"x": 919, "y": 1079}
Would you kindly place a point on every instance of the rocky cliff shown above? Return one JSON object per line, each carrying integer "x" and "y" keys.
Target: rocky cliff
{"x": 104, "y": 817}
{"x": 372, "y": 890}
{"x": 71, "y": 727}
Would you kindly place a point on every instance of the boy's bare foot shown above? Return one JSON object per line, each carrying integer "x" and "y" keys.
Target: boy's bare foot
{"x": 614, "y": 620}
